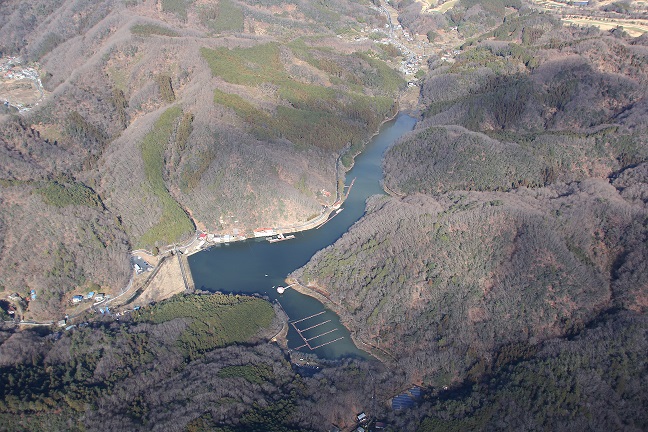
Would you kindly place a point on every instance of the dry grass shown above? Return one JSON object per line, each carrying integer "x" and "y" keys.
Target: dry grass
{"x": 632, "y": 27}
{"x": 166, "y": 283}
{"x": 19, "y": 91}
{"x": 430, "y": 6}
{"x": 445, "y": 7}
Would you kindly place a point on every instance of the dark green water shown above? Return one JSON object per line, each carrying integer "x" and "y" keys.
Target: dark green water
{"x": 255, "y": 266}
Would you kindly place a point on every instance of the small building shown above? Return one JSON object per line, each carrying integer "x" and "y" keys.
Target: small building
{"x": 61, "y": 323}
{"x": 90, "y": 295}
{"x": 380, "y": 425}
{"x": 77, "y": 299}
{"x": 263, "y": 232}
{"x": 362, "y": 417}
{"x": 100, "y": 297}
{"x": 407, "y": 399}
{"x": 33, "y": 294}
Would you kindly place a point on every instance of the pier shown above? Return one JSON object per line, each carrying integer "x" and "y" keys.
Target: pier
{"x": 308, "y": 317}
{"x": 316, "y": 325}
{"x": 307, "y": 340}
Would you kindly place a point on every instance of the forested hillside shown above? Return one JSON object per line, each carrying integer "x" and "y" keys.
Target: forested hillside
{"x": 506, "y": 275}
{"x": 515, "y": 250}
{"x": 594, "y": 381}
{"x": 160, "y": 117}
{"x": 162, "y": 369}
{"x": 443, "y": 284}
{"x": 529, "y": 104}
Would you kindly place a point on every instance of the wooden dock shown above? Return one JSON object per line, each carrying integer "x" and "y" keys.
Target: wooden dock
{"x": 306, "y": 340}
{"x": 308, "y": 317}
{"x": 316, "y": 325}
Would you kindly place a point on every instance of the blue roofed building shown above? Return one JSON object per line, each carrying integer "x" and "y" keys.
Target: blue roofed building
{"x": 407, "y": 399}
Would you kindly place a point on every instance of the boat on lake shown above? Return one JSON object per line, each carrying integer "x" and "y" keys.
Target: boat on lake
{"x": 280, "y": 237}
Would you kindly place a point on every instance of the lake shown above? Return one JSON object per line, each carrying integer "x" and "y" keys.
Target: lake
{"x": 256, "y": 266}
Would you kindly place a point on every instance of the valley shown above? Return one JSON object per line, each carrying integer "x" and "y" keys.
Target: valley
{"x": 499, "y": 284}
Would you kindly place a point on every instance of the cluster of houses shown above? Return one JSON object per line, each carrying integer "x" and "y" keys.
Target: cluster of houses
{"x": 402, "y": 401}
{"x": 17, "y": 73}
{"x": 97, "y": 298}
{"x": 449, "y": 55}
{"x": 411, "y": 64}
{"x": 204, "y": 238}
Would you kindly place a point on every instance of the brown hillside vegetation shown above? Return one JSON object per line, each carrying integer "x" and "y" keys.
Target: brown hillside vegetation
{"x": 176, "y": 366}
{"x": 508, "y": 278}
{"x": 177, "y": 115}
{"x": 443, "y": 284}
{"x": 522, "y": 228}
{"x": 564, "y": 105}
{"x": 51, "y": 255}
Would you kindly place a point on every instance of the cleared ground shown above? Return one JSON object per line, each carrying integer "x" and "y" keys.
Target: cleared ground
{"x": 580, "y": 16}
{"x": 19, "y": 92}
{"x": 166, "y": 283}
{"x": 433, "y": 6}
{"x": 632, "y": 27}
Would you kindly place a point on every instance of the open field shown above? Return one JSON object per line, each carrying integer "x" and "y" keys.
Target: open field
{"x": 632, "y": 27}
{"x": 430, "y": 6}
{"x": 19, "y": 91}
{"x": 445, "y": 6}
{"x": 166, "y": 283}
{"x": 570, "y": 14}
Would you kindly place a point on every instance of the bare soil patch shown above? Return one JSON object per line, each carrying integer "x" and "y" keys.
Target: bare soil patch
{"x": 166, "y": 283}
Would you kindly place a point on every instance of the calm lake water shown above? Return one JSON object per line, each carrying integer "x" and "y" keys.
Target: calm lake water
{"x": 256, "y": 266}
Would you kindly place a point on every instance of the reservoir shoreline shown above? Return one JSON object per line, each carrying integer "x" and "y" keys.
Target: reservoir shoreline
{"x": 319, "y": 220}
{"x": 259, "y": 267}
{"x": 377, "y": 352}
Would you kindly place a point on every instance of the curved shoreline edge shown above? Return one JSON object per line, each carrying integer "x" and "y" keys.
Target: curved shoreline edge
{"x": 378, "y": 353}
{"x": 324, "y": 216}
{"x": 371, "y": 350}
